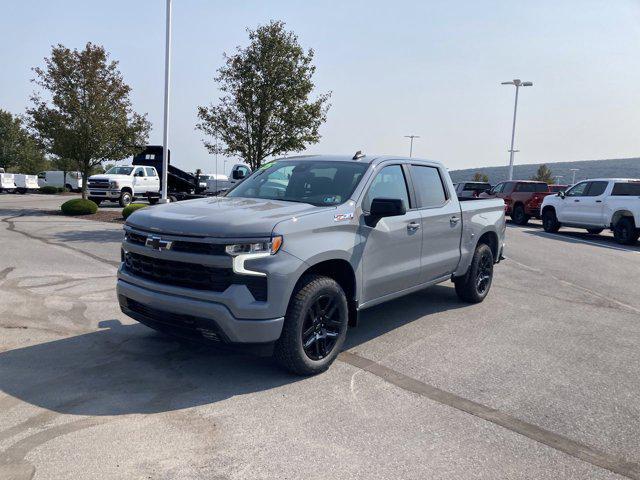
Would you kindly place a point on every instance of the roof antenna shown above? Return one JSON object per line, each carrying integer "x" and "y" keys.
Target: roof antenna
{"x": 358, "y": 155}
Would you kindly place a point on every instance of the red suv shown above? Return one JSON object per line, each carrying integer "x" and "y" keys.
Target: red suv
{"x": 522, "y": 198}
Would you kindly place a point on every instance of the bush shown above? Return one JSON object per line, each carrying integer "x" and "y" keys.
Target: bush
{"x": 129, "y": 209}
{"x": 49, "y": 190}
{"x": 78, "y": 206}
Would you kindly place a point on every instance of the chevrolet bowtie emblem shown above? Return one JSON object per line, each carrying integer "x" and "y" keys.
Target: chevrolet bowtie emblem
{"x": 157, "y": 243}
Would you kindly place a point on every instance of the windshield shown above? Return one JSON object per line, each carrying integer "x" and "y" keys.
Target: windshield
{"x": 316, "y": 182}
{"x": 119, "y": 171}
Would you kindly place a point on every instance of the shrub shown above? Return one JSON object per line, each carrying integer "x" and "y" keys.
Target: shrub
{"x": 78, "y": 206}
{"x": 49, "y": 190}
{"x": 129, "y": 209}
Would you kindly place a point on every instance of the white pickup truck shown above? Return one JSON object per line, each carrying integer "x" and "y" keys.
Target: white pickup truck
{"x": 124, "y": 184}
{"x": 597, "y": 204}
{"x": 7, "y": 182}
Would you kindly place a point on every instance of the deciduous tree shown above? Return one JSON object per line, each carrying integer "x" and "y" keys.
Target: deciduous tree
{"x": 18, "y": 149}
{"x": 265, "y": 108}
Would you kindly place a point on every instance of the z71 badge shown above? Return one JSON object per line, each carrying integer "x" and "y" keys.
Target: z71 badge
{"x": 340, "y": 217}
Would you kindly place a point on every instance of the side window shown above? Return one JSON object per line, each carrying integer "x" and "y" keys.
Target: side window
{"x": 428, "y": 186}
{"x": 579, "y": 190}
{"x": 139, "y": 172}
{"x": 626, "y": 189}
{"x": 389, "y": 183}
{"x": 508, "y": 187}
{"x": 245, "y": 170}
{"x": 597, "y": 188}
{"x": 498, "y": 188}
{"x": 42, "y": 175}
{"x": 150, "y": 172}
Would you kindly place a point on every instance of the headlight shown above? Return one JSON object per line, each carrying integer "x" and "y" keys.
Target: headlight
{"x": 270, "y": 247}
{"x": 114, "y": 185}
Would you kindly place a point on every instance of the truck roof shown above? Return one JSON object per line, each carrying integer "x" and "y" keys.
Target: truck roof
{"x": 373, "y": 159}
{"x": 610, "y": 180}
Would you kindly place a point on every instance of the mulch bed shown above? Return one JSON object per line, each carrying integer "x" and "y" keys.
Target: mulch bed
{"x": 109, "y": 216}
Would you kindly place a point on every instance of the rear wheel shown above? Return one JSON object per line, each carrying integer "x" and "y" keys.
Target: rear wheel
{"x": 153, "y": 200}
{"x": 625, "y": 231}
{"x": 21, "y": 191}
{"x": 518, "y": 216}
{"x": 125, "y": 199}
{"x": 550, "y": 221}
{"x": 315, "y": 326}
{"x": 595, "y": 231}
{"x": 68, "y": 187}
{"x": 474, "y": 286}
{"x": 95, "y": 200}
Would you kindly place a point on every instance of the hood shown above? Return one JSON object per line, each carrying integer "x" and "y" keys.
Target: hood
{"x": 219, "y": 216}
{"x": 109, "y": 178}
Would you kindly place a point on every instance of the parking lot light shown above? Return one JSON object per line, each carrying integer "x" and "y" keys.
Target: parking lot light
{"x": 165, "y": 132}
{"x": 517, "y": 83}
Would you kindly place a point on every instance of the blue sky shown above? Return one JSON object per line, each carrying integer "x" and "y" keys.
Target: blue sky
{"x": 431, "y": 68}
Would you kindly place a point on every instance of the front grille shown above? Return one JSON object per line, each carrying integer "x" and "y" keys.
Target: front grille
{"x": 96, "y": 184}
{"x": 183, "y": 325}
{"x": 200, "y": 248}
{"x": 192, "y": 275}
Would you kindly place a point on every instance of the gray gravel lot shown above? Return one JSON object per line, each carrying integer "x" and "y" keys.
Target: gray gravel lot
{"x": 87, "y": 393}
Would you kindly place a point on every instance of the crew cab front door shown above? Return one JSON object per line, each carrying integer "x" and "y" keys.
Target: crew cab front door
{"x": 139, "y": 181}
{"x": 569, "y": 210}
{"x": 392, "y": 248}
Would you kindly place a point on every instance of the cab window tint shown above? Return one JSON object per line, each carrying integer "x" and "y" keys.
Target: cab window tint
{"x": 389, "y": 183}
{"x": 498, "y": 188}
{"x": 579, "y": 190}
{"x": 150, "y": 172}
{"x": 597, "y": 188}
{"x": 428, "y": 186}
{"x": 626, "y": 189}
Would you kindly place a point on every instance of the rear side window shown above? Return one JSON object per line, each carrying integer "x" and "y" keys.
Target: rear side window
{"x": 150, "y": 172}
{"x": 476, "y": 186}
{"x": 626, "y": 189}
{"x": 531, "y": 187}
{"x": 389, "y": 183}
{"x": 597, "y": 188}
{"x": 428, "y": 186}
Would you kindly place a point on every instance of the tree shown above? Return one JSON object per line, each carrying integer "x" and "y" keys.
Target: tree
{"x": 265, "y": 108}
{"x": 480, "y": 177}
{"x": 544, "y": 174}
{"x": 88, "y": 118}
{"x": 18, "y": 149}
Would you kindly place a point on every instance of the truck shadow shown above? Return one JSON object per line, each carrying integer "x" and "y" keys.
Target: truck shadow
{"x": 604, "y": 241}
{"x": 99, "y": 236}
{"x": 125, "y": 369}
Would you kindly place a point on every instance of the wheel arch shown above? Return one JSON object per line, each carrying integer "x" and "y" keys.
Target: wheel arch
{"x": 126, "y": 189}
{"x": 548, "y": 208}
{"x": 490, "y": 238}
{"x": 615, "y": 218}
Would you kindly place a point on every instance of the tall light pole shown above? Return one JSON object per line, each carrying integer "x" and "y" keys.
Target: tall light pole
{"x": 558, "y": 177}
{"x": 517, "y": 83}
{"x": 573, "y": 178}
{"x": 411, "y": 144}
{"x": 165, "y": 133}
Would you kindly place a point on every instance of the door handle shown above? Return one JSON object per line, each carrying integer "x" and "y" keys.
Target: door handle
{"x": 454, "y": 220}
{"x": 576, "y": 200}
{"x": 413, "y": 226}
{"x": 598, "y": 201}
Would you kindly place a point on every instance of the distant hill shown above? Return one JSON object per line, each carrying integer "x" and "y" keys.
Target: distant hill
{"x": 621, "y": 167}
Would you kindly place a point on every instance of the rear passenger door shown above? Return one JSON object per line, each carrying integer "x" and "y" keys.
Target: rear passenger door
{"x": 592, "y": 208}
{"x": 153, "y": 181}
{"x": 440, "y": 220}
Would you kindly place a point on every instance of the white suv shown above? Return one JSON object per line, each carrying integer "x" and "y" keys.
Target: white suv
{"x": 123, "y": 184}
{"x": 595, "y": 205}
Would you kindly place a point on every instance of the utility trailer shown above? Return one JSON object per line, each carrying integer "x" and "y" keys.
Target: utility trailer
{"x": 182, "y": 185}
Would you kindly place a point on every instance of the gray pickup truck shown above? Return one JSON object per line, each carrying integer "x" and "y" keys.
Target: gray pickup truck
{"x": 290, "y": 256}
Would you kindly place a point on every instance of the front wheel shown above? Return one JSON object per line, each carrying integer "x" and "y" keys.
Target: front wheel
{"x": 315, "y": 326}
{"x": 550, "y": 222}
{"x": 125, "y": 199}
{"x": 474, "y": 286}
{"x": 625, "y": 232}
{"x": 95, "y": 200}
{"x": 519, "y": 216}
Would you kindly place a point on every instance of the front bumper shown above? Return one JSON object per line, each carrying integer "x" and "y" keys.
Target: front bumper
{"x": 193, "y": 318}
{"x": 104, "y": 193}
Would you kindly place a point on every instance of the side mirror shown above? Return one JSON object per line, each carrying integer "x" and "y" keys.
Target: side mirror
{"x": 237, "y": 174}
{"x": 561, "y": 194}
{"x": 140, "y": 174}
{"x": 386, "y": 207}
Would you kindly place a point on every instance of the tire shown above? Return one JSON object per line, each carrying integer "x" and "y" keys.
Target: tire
{"x": 474, "y": 286}
{"x": 172, "y": 199}
{"x": 550, "y": 222}
{"x": 518, "y": 216}
{"x": 95, "y": 200}
{"x": 125, "y": 199}
{"x": 625, "y": 231}
{"x": 152, "y": 200}
{"x": 595, "y": 231}
{"x": 317, "y": 307}
{"x": 68, "y": 187}
{"x": 21, "y": 191}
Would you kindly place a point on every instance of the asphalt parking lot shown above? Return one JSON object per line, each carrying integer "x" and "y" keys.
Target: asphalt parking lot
{"x": 539, "y": 381}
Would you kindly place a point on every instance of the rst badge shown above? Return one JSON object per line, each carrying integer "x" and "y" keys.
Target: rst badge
{"x": 341, "y": 217}
{"x": 157, "y": 243}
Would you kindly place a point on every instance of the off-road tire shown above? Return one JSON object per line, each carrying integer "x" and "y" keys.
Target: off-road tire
{"x": 125, "y": 199}
{"x": 518, "y": 215}
{"x": 289, "y": 352}
{"x": 468, "y": 285}
{"x": 625, "y": 231}
{"x": 550, "y": 222}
